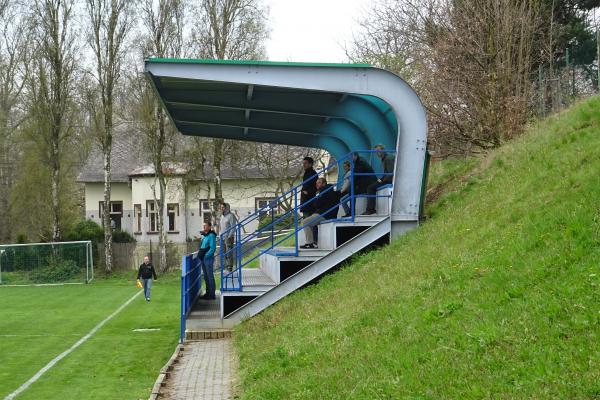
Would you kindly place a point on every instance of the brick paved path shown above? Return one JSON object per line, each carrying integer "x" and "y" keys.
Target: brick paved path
{"x": 205, "y": 371}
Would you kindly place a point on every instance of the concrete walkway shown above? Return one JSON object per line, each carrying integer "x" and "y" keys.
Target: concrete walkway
{"x": 206, "y": 371}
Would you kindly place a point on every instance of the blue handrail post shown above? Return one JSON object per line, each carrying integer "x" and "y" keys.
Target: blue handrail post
{"x": 184, "y": 262}
{"x": 352, "y": 198}
{"x": 272, "y": 226}
{"x": 222, "y": 257}
{"x": 238, "y": 241}
{"x": 296, "y": 221}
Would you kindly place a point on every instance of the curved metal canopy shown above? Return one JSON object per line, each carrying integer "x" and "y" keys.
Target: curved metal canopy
{"x": 336, "y": 107}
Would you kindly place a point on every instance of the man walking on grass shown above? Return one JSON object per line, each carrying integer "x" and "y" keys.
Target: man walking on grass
{"x": 146, "y": 272}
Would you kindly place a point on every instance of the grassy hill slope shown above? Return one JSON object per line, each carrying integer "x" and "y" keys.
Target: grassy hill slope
{"x": 497, "y": 296}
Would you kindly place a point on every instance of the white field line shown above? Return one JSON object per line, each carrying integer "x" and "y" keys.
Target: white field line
{"x": 65, "y": 353}
{"x": 44, "y": 284}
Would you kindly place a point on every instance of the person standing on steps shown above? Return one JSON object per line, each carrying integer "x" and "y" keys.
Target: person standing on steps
{"x": 226, "y": 224}
{"x": 309, "y": 190}
{"x": 309, "y": 187}
{"x": 206, "y": 254}
{"x": 388, "y": 161}
{"x": 146, "y": 272}
{"x": 327, "y": 204}
{"x": 363, "y": 175}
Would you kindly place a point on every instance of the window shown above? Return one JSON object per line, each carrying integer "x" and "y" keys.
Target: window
{"x": 116, "y": 213}
{"x": 137, "y": 217}
{"x": 172, "y": 214}
{"x": 260, "y": 202}
{"x": 152, "y": 215}
{"x": 205, "y": 210}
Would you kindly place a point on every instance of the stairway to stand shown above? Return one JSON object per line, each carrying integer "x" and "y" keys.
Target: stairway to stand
{"x": 299, "y": 271}
{"x": 270, "y": 269}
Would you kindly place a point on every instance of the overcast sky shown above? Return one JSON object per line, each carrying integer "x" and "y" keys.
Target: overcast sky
{"x": 312, "y": 30}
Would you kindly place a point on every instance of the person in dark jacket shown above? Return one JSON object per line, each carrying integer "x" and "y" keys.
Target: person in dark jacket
{"x": 326, "y": 203}
{"x": 362, "y": 182}
{"x": 145, "y": 273}
{"x": 388, "y": 161}
{"x": 309, "y": 188}
{"x": 206, "y": 253}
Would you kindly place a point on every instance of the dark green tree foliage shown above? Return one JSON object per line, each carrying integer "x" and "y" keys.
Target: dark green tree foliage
{"x": 572, "y": 30}
{"x": 86, "y": 230}
{"x": 572, "y": 22}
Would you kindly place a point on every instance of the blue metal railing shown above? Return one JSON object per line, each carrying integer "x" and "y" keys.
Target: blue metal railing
{"x": 191, "y": 285}
{"x": 249, "y": 248}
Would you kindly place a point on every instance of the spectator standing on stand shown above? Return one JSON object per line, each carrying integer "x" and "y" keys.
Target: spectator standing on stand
{"x": 226, "y": 224}
{"x": 309, "y": 189}
{"x": 206, "y": 253}
{"x": 388, "y": 161}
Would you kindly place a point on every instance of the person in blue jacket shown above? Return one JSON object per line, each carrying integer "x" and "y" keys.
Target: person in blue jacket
{"x": 206, "y": 252}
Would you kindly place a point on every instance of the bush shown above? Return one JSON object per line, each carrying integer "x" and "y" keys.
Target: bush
{"x": 22, "y": 238}
{"x": 86, "y": 230}
{"x": 90, "y": 230}
{"x": 120, "y": 236}
{"x": 57, "y": 270}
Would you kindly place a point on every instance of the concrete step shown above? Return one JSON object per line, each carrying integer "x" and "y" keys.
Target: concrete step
{"x": 253, "y": 280}
{"x": 206, "y": 334}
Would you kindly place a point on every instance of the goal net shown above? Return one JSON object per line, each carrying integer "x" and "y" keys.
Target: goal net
{"x": 46, "y": 263}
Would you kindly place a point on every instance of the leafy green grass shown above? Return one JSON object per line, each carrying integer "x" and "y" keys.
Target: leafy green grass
{"x": 496, "y": 296}
{"x": 115, "y": 363}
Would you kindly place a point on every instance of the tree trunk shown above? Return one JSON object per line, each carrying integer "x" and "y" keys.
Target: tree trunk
{"x": 162, "y": 189}
{"x": 162, "y": 234}
{"x": 55, "y": 185}
{"x": 6, "y": 170}
{"x": 107, "y": 150}
{"x": 217, "y": 160}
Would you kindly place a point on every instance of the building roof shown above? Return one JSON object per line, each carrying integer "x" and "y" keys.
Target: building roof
{"x": 125, "y": 157}
{"x": 127, "y": 160}
{"x": 169, "y": 168}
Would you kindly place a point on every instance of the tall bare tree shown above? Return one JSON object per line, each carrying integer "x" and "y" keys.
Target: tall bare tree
{"x": 163, "y": 23}
{"x": 13, "y": 55}
{"x": 109, "y": 23}
{"x": 228, "y": 29}
{"x": 471, "y": 61}
{"x": 50, "y": 89}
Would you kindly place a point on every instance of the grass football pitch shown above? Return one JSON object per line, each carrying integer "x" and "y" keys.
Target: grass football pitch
{"x": 39, "y": 323}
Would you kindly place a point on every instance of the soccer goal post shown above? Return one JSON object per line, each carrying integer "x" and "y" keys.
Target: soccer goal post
{"x": 46, "y": 263}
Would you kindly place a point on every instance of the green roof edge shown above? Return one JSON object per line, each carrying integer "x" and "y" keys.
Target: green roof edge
{"x": 253, "y": 62}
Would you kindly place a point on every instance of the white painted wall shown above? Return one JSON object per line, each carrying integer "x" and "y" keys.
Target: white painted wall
{"x": 94, "y": 194}
{"x": 239, "y": 193}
